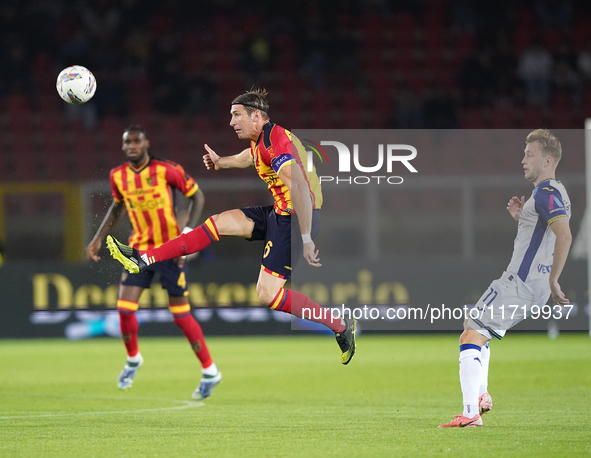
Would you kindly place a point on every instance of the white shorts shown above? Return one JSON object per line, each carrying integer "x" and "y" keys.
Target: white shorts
{"x": 505, "y": 303}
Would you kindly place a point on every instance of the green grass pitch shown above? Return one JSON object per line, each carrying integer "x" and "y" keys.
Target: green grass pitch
{"x": 290, "y": 396}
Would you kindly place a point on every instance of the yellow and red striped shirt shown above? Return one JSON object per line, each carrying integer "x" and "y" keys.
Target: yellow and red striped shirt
{"x": 149, "y": 198}
{"x": 275, "y": 148}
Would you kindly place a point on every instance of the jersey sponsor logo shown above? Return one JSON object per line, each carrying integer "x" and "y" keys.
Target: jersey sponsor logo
{"x": 270, "y": 180}
{"x": 544, "y": 269}
{"x": 549, "y": 189}
{"x": 146, "y": 205}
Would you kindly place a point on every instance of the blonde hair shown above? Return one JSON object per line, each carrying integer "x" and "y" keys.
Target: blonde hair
{"x": 549, "y": 144}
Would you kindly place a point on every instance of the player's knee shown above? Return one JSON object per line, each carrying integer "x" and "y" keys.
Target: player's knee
{"x": 473, "y": 337}
{"x": 266, "y": 295}
{"x": 465, "y": 336}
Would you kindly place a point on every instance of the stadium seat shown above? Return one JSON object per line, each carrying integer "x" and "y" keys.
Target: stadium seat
{"x": 562, "y": 119}
{"x": 472, "y": 118}
{"x": 4, "y": 163}
{"x": 523, "y": 39}
{"x": 502, "y": 117}
{"x": 171, "y": 124}
{"x": 464, "y": 44}
{"x": 25, "y": 157}
{"x": 54, "y": 157}
{"x": 87, "y": 163}
{"x": 552, "y": 38}
{"x": 532, "y": 118}
{"x": 250, "y": 24}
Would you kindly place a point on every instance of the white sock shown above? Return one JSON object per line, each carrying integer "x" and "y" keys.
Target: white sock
{"x": 210, "y": 370}
{"x": 134, "y": 359}
{"x": 485, "y": 359}
{"x": 470, "y": 375}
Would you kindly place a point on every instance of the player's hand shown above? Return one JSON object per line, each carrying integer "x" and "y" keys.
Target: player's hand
{"x": 515, "y": 205}
{"x": 211, "y": 159}
{"x": 558, "y": 295}
{"x": 311, "y": 254}
{"x": 92, "y": 250}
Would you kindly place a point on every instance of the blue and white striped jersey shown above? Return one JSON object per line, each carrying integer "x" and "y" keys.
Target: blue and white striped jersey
{"x": 534, "y": 244}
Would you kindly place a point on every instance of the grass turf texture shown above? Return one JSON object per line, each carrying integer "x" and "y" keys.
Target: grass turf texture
{"x": 290, "y": 396}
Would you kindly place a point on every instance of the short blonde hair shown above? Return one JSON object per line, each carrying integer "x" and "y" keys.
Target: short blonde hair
{"x": 549, "y": 143}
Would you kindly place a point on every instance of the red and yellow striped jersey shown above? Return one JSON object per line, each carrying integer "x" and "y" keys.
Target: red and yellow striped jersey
{"x": 149, "y": 198}
{"x": 275, "y": 148}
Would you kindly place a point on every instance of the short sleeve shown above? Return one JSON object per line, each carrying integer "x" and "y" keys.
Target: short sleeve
{"x": 549, "y": 204}
{"x": 280, "y": 151}
{"x": 178, "y": 178}
{"x": 117, "y": 196}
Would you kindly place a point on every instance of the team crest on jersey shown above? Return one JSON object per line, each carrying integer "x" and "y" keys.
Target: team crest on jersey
{"x": 150, "y": 181}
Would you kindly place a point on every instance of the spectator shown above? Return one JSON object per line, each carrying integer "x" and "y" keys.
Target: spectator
{"x": 584, "y": 64}
{"x": 504, "y": 65}
{"x": 567, "y": 79}
{"x": 477, "y": 79}
{"x": 407, "y": 113}
{"x": 554, "y": 13}
{"x": 258, "y": 57}
{"x": 535, "y": 70}
{"x": 440, "y": 110}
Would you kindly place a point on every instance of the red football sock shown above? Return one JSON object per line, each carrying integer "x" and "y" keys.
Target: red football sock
{"x": 129, "y": 326}
{"x": 294, "y": 302}
{"x": 192, "y": 331}
{"x": 185, "y": 244}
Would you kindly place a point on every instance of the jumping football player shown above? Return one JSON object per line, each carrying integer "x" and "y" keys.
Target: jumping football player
{"x": 279, "y": 158}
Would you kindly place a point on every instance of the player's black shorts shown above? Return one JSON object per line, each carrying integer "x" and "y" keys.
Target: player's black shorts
{"x": 278, "y": 231}
{"x": 172, "y": 277}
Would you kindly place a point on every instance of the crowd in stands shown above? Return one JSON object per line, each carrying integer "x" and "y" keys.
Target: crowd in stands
{"x": 176, "y": 66}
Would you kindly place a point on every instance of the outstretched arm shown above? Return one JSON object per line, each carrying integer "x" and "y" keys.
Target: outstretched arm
{"x": 293, "y": 178}
{"x": 114, "y": 214}
{"x": 241, "y": 160}
{"x": 561, "y": 229}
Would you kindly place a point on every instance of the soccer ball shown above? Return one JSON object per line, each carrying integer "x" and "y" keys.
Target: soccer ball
{"x": 76, "y": 84}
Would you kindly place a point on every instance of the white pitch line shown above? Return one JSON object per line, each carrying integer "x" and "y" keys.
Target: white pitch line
{"x": 186, "y": 405}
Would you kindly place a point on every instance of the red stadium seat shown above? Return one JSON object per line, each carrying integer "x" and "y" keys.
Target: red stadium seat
{"x": 54, "y": 157}
{"x": 251, "y": 24}
{"x": 464, "y": 44}
{"x": 532, "y": 118}
{"x": 25, "y": 157}
{"x": 4, "y": 167}
{"x": 171, "y": 124}
{"x": 552, "y": 39}
{"x": 502, "y": 117}
{"x": 87, "y": 163}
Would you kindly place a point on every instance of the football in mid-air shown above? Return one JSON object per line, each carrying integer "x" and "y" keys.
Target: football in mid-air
{"x": 76, "y": 84}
